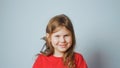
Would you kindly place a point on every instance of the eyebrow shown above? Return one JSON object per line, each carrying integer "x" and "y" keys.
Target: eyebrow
{"x": 64, "y": 34}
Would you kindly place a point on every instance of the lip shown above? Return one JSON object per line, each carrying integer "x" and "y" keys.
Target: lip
{"x": 63, "y": 46}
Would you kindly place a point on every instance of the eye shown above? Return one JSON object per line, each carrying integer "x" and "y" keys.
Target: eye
{"x": 57, "y": 36}
{"x": 66, "y": 35}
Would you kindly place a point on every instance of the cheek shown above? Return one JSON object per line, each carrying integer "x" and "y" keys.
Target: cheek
{"x": 69, "y": 40}
{"x": 54, "y": 41}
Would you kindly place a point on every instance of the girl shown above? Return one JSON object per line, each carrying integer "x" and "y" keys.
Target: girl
{"x": 60, "y": 44}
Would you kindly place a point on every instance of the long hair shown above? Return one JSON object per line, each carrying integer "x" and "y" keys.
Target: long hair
{"x": 60, "y": 21}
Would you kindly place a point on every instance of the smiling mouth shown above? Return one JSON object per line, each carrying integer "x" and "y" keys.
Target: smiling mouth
{"x": 63, "y": 46}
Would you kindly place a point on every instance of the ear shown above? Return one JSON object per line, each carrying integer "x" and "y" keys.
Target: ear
{"x": 47, "y": 35}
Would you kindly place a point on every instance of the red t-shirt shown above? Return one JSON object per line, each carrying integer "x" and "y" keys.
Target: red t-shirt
{"x": 56, "y": 62}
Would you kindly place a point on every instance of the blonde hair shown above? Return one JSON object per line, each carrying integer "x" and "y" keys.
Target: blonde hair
{"x": 60, "y": 21}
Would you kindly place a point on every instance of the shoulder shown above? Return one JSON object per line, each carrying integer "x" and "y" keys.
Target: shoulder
{"x": 38, "y": 61}
{"x": 80, "y": 61}
{"x": 39, "y": 57}
{"x": 41, "y": 54}
{"x": 78, "y": 57}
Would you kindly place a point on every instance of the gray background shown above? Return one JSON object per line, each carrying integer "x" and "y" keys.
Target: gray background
{"x": 96, "y": 24}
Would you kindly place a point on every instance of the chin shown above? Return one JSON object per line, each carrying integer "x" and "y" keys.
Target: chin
{"x": 63, "y": 50}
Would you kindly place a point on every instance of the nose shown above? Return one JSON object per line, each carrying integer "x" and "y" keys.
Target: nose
{"x": 62, "y": 39}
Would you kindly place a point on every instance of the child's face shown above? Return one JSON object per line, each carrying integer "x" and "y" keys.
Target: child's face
{"x": 61, "y": 40}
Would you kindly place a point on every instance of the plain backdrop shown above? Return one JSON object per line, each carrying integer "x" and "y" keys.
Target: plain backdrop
{"x": 96, "y": 24}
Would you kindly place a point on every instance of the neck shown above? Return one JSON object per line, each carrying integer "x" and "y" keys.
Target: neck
{"x": 58, "y": 54}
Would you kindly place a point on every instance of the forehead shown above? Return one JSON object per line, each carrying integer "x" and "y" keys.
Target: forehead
{"x": 61, "y": 30}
